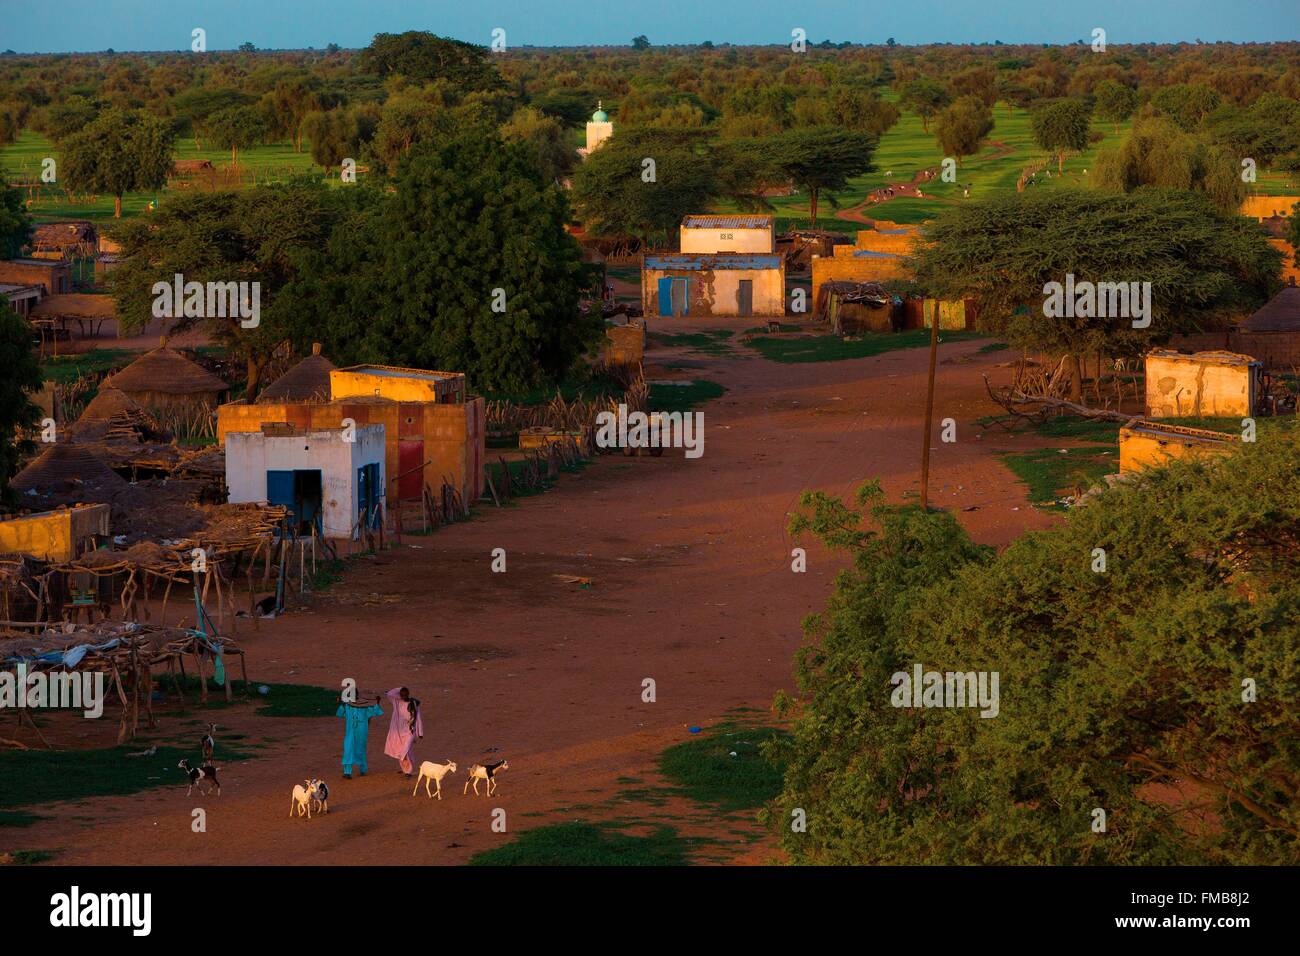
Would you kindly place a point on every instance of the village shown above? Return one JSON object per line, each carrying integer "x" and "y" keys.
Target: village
{"x": 582, "y": 532}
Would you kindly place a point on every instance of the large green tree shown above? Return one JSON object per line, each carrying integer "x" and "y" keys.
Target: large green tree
{"x": 423, "y": 57}
{"x": 15, "y": 223}
{"x": 963, "y": 126}
{"x": 121, "y": 151}
{"x": 1061, "y": 126}
{"x": 1124, "y": 690}
{"x": 1203, "y": 265}
{"x": 925, "y": 97}
{"x": 236, "y": 128}
{"x": 464, "y": 264}
{"x": 1158, "y": 153}
{"x": 1114, "y": 102}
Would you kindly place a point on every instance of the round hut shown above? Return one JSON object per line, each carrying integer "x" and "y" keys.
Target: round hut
{"x": 308, "y": 381}
{"x": 164, "y": 377}
{"x": 65, "y": 466}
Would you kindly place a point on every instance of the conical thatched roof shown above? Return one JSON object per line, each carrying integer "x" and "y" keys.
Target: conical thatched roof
{"x": 108, "y": 404}
{"x": 168, "y": 371}
{"x": 63, "y": 465}
{"x": 307, "y": 381}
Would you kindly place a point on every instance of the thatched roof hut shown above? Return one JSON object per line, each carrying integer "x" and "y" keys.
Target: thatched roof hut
{"x": 164, "y": 376}
{"x": 108, "y": 404}
{"x": 71, "y": 238}
{"x": 308, "y": 381}
{"x": 64, "y": 465}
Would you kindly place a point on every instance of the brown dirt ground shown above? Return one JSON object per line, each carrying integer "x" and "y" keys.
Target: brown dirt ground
{"x": 690, "y": 561}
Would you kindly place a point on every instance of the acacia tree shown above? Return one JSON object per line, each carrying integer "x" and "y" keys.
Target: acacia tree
{"x": 121, "y": 151}
{"x": 1203, "y": 265}
{"x": 818, "y": 159}
{"x": 1110, "y": 684}
{"x": 236, "y": 128}
{"x": 1061, "y": 126}
{"x": 15, "y": 223}
{"x": 1115, "y": 102}
{"x": 924, "y": 97}
{"x": 1158, "y": 153}
{"x": 425, "y": 57}
{"x": 256, "y": 235}
{"x": 963, "y": 126}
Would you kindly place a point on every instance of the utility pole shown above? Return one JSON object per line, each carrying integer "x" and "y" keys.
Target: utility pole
{"x": 929, "y": 410}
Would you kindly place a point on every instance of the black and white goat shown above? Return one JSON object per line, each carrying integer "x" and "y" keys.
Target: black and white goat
{"x": 486, "y": 772}
{"x": 194, "y": 777}
{"x": 320, "y": 797}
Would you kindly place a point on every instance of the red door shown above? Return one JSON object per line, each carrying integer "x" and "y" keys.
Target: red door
{"x": 410, "y": 468}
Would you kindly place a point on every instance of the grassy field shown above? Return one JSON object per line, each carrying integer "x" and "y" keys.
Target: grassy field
{"x": 832, "y": 348}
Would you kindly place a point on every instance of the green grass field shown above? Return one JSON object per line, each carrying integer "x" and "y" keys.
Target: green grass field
{"x": 21, "y": 162}
{"x": 832, "y": 348}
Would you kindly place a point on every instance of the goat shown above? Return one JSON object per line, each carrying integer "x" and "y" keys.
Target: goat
{"x": 194, "y": 777}
{"x": 480, "y": 772}
{"x": 208, "y": 743}
{"x": 302, "y": 797}
{"x": 320, "y": 796}
{"x": 435, "y": 772}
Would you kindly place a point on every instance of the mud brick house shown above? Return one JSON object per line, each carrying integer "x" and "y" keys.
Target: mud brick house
{"x": 724, "y": 284}
{"x": 434, "y": 431}
{"x": 22, "y": 298}
{"x": 59, "y": 535}
{"x": 1272, "y": 334}
{"x": 329, "y": 478}
{"x": 715, "y": 234}
{"x": 1208, "y": 384}
{"x": 53, "y": 275}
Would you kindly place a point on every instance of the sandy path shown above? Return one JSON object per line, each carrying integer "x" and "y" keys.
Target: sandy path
{"x": 692, "y": 587}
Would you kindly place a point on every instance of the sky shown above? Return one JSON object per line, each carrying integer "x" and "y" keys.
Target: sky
{"x": 28, "y": 26}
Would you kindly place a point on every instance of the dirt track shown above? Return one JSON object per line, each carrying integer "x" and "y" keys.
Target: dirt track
{"x": 692, "y": 587}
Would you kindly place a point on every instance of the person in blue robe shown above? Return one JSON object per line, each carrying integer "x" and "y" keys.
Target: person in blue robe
{"x": 356, "y": 719}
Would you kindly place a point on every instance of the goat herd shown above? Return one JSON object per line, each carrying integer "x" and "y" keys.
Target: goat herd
{"x": 315, "y": 796}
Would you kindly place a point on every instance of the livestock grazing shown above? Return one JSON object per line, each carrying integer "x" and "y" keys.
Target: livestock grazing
{"x": 195, "y": 776}
{"x": 209, "y": 743}
{"x": 435, "y": 772}
{"x": 320, "y": 796}
{"x": 485, "y": 772}
{"x": 303, "y": 797}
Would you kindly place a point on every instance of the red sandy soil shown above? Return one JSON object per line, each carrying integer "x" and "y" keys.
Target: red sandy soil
{"x": 692, "y": 586}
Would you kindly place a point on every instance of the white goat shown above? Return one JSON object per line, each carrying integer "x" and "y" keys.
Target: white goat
{"x": 302, "y": 798}
{"x": 435, "y": 772}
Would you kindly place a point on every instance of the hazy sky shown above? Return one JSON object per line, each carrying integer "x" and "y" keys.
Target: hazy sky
{"x": 30, "y": 26}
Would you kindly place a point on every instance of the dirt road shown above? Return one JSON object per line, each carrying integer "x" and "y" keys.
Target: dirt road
{"x": 692, "y": 587}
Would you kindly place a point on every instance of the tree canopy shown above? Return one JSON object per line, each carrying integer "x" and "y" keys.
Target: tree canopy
{"x": 422, "y": 57}
{"x": 1124, "y": 690}
{"x": 963, "y": 126}
{"x": 21, "y": 378}
{"x": 1061, "y": 126}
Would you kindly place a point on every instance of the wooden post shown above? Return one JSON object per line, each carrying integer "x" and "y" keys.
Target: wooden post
{"x": 929, "y": 412}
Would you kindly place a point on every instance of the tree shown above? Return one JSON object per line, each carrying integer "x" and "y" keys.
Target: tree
{"x": 1115, "y": 102}
{"x": 22, "y": 377}
{"x": 1158, "y": 153}
{"x": 980, "y": 82}
{"x": 340, "y": 133}
{"x": 963, "y": 126}
{"x": 924, "y": 97}
{"x": 1186, "y": 104}
{"x": 1121, "y": 690}
{"x": 411, "y": 275}
{"x": 641, "y": 42}
{"x": 546, "y": 137}
{"x": 614, "y": 196}
{"x": 817, "y": 160}
{"x": 255, "y": 235}
{"x": 1203, "y": 265}
{"x": 236, "y": 128}
{"x": 15, "y": 223}
{"x": 193, "y": 107}
{"x": 289, "y": 101}
{"x": 121, "y": 151}
{"x": 424, "y": 58}
{"x": 1061, "y": 126}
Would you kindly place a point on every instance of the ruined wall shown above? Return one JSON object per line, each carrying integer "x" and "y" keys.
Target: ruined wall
{"x": 854, "y": 269}
{"x": 1146, "y": 445}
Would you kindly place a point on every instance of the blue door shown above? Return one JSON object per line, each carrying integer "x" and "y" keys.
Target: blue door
{"x": 279, "y": 488}
{"x": 666, "y": 297}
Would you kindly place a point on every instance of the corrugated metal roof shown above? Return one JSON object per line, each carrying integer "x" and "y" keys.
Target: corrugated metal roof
{"x": 1280, "y": 314}
{"x": 869, "y": 254}
{"x": 700, "y": 262}
{"x": 727, "y": 222}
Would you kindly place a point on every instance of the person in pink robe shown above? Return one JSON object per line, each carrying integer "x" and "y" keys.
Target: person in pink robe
{"x": 406, "y": 725}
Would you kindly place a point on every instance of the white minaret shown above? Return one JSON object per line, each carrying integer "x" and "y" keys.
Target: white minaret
{"x": 599, "y": 129}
